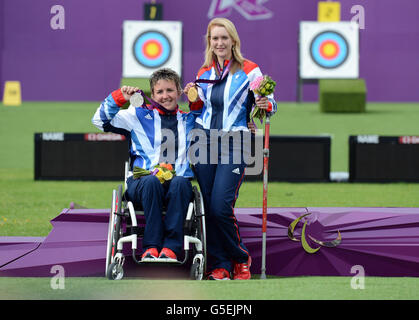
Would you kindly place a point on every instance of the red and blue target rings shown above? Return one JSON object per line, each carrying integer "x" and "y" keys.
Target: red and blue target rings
{"x": 329, "y": 49}
{"x": 152, "y": 49}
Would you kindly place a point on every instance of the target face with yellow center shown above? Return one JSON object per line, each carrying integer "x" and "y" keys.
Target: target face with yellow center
{"x": 150, "y": 45}
{"x": 329, "y": 49}
{"x": 152, "y": 49}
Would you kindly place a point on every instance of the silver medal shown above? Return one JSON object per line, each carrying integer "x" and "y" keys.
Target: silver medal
{"x": 136, "y": 100}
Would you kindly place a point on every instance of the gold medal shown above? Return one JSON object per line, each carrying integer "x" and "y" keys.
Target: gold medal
{"x": 192, "y": 94}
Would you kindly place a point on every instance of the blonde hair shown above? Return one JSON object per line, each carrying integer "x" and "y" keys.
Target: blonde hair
{"x": 236, "y": 55}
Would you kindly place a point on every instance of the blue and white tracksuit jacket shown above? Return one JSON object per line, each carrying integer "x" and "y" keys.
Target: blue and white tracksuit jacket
{"x": 226, "y": 106}
{"x": 145, "y": 128}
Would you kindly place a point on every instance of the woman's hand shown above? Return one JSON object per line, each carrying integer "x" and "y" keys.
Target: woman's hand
{"x": 192, "y": 95}
{"x": 128, "y": 91}
{"x": 262, "y": 102}
{"x": 187, "y": 87}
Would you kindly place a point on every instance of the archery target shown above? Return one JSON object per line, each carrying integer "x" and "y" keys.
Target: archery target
{"x": 152, "y": 49}
{"x": 150, "y": 45}
{"x": 329, "y": 50}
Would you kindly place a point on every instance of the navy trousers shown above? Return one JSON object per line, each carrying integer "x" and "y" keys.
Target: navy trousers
{"x": 219, "y": 184}
{"x": 149, "y": 194}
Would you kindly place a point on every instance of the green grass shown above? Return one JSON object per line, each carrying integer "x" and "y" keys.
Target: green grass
{"x": 380, "y": 118}
{"x": 291, "y": 288}
{"x": 18, "y": 125}
{"x": 27, "y": 206}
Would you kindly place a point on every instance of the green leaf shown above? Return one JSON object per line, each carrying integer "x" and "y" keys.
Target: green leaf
{"x": 139, "y": 172}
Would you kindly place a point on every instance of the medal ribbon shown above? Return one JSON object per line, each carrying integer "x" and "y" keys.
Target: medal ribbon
{"x": 222, "y": 73}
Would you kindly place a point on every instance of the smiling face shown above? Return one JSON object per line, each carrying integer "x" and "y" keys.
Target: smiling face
{"x": 221, "y": 43}
{"x": 166, "y": 94}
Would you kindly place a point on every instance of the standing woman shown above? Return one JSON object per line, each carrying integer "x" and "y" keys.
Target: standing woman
{"x": 226, "y": 100}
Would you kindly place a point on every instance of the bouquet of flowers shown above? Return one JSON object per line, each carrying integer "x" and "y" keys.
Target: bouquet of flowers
{"x": 262, "y": 86}
{"x": 163, "y": 171}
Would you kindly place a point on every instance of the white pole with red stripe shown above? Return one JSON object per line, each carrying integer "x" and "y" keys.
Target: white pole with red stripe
{"x": 265, "y": 196}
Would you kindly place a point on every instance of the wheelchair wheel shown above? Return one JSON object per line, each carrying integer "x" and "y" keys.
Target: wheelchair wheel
{"x": 114, "y": 228}
{"x": 197, "y": 273}
{"x": 199, "y": 220}
{"x": 115, "y": 271}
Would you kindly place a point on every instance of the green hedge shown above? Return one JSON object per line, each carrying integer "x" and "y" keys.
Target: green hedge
{"x": 342, "y": 95}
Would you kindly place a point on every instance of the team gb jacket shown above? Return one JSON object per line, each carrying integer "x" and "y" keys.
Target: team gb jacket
{"x": 149, "y": 132}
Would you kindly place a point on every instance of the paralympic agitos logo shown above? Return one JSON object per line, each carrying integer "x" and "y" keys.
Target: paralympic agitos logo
{"x": 305, "y": 243}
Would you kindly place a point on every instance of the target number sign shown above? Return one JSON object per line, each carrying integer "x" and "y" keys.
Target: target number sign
{"x": 329, "y": 50}
{"x": 150, "y": 45}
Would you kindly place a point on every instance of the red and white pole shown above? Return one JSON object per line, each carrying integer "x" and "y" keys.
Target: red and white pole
{"x": 265, "y": 196}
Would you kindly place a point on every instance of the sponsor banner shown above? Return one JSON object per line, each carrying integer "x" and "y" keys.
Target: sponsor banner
{"x": 103, "y": 137}
{"x": 409, "y": 140}
{"x": 368, "y": 139}
{"x": 53, "y": 136}
{"x": 375, "y": 139}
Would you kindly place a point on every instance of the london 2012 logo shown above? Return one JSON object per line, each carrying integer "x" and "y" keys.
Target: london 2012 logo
{"x": 304, "y": 241}
{"x": 250, "y": 9}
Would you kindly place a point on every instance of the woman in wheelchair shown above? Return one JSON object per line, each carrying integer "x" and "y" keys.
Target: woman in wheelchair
{"x": 147, "y": 129}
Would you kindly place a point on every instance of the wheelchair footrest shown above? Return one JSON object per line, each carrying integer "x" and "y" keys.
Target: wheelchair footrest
{"x": 161, "y": 261}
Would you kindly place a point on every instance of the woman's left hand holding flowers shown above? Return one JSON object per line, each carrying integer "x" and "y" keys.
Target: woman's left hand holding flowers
{"x": 262, "y": 87}
{"x": 262, "y": 102}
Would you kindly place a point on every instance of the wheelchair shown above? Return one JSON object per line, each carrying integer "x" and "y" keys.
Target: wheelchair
{"x": 124, "y": 228}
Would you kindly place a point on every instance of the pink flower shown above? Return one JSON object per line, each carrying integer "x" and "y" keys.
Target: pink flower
{"x": 255, "y": 84}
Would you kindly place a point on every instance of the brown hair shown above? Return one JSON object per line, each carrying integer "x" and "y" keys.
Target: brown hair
{"x": 165, "y": 74}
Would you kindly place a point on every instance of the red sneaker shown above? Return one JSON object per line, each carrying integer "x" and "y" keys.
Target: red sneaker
{"x": 150, "y": 254}
{"x": 219, "y": 274}
{"x": 242, "y": 270}
{"x": 167, "y": 254}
